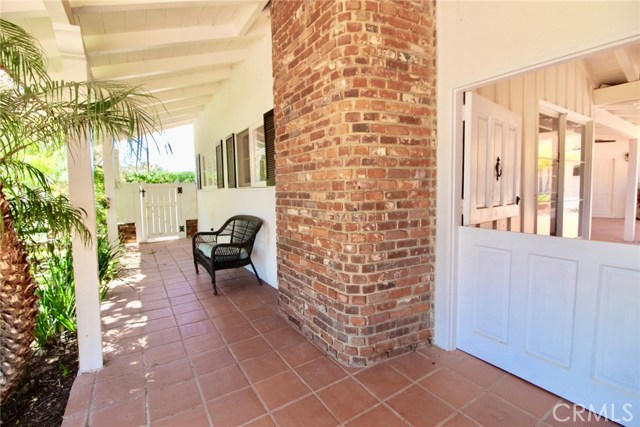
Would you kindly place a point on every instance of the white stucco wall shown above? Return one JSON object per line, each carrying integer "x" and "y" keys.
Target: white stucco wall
{"x": 481, "y": 41}
{"x": 240, "y": 103}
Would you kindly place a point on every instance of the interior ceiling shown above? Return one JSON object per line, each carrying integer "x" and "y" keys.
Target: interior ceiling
{"x": 180, "y": 51}
{"x": 616, "y": 79}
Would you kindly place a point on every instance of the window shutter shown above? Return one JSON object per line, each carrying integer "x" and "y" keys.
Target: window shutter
{"x": 220, "y": 165}
{"x": 231, "y": 160}
{"x": 269, "y": 142}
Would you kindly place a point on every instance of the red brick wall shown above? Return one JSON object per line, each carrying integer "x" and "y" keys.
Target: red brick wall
{"x": 354, "y": 87}
{"x": 127, "y": 232}
{"x": 192, "y": 227}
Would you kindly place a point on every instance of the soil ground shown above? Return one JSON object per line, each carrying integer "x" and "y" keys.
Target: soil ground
{"x": 41, "y": 396}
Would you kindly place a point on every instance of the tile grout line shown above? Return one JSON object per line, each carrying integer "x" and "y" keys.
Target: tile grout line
{"x": 193, "y": 372}
{"x": 270, "y": 412}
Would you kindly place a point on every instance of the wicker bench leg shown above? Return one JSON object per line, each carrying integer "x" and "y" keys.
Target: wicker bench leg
{"x": 213, "y": 282}
{"x": 256, "y": 273}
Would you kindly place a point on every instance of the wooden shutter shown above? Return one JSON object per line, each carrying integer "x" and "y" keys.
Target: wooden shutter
{"x": 269, "y": 143}
{"x": 231, "y": 160}
{"x": 492, "y": 166}
{"x": 220, "y": 165}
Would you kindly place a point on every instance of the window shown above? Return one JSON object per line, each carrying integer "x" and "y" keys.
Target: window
{"x": 243, "y": 151}
{"x": 259, "y": 156}
{"x": 561, "y": 164}
{"x": 198, "y": 173}
{"x": 249, "y": 158}
{"x": 208, "y": 169}
{"x": 250, "y": 151}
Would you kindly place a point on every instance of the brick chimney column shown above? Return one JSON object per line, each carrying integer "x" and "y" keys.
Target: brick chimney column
{"x": 354, "y": 90}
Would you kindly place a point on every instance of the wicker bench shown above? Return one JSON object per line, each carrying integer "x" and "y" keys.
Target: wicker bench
{"x": 228, "y": 247}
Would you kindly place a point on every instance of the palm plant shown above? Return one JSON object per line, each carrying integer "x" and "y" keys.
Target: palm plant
{"x": 36, "y": 111}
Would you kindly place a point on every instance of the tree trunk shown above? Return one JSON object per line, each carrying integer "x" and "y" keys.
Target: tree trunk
{"x": 17, "y": 303}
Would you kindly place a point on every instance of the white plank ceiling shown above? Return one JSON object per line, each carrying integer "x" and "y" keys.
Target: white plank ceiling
{"x": 180, "y": 51}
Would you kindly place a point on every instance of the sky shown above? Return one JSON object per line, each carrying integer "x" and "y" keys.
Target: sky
{"x": 180, "y": 158}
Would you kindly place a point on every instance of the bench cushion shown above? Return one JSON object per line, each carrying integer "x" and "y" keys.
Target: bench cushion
{"x": 230, "y": 255}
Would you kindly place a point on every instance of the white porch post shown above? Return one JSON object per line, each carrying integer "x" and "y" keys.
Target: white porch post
{"x": 81, "y": 195}
{"x": 110, "y": 171}
{"x": 632, "y": 192}
{"x": 85, "y": 257}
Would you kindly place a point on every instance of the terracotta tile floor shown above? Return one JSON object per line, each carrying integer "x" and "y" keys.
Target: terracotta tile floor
{"x": 175, "y": 355}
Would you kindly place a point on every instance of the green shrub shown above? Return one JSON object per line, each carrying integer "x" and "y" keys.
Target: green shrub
{"x": 56, "y": 318}
{"x": 108, "y": 263}
{"x": 159, "y": 177}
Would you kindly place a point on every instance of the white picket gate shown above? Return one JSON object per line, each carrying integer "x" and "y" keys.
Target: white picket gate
{"x": 159, "y": 211}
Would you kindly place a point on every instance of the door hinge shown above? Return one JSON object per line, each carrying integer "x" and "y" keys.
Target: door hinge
{"x": 179, "y": 190}
{"x": 182, "y": 228}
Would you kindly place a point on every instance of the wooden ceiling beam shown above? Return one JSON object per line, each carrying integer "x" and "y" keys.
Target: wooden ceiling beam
{"x": 186, "y": 92}
{"x": 629, "y": 69}
{"x": 170, "y": 124}
{"x": 105, "y": 6}
{"x": 177, "y": 104}
{"x": 181, "y": 80}
{"x": 132, "y": 41}
{"x": 616, "y": 123}
{"x": 162, "y": 66}
{"x": 182, "y": 114}
{"x": 247, "y": 16}
{"x": 626, "y": 92}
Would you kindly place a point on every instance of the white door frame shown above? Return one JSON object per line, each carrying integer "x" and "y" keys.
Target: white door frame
{"x": 449, "y": 207}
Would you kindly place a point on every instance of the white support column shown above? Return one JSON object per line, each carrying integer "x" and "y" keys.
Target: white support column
{"x": 85, "y": 257}
{"x": 632, "y": 192}
{"x": 82, "y": 195}
{"x": 108, "y": 154}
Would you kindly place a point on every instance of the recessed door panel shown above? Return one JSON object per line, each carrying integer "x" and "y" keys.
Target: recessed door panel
{"x": 551, "y": 308}
{"x": 618, "y": 328}
{"x": 491, "y": 293}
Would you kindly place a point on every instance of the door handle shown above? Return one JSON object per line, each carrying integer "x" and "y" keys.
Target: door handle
{"x": 498, "y": 169}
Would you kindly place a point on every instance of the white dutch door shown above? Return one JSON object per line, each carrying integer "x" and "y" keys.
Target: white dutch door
{"x": 561, "y": 313}
{"x": 161, "y": 213}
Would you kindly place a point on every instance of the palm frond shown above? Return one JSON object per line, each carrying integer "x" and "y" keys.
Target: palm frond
{"x": 26, "y": 122}
{"x": 39, "y": 212}
{"x": 107, "y": 109}
{"x": 16, "y": 173}
{"x": 20, "y": 55}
